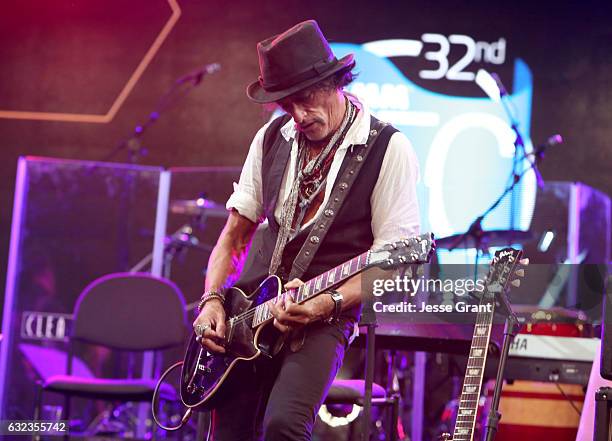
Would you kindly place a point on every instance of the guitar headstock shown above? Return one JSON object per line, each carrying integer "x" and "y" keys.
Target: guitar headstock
{"x": 507, "y": 268}
{"x": 417, "y": 249}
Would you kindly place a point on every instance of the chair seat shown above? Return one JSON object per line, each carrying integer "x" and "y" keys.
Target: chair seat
{"x": 351, "y": 392}
{"x": 108, "y": 389}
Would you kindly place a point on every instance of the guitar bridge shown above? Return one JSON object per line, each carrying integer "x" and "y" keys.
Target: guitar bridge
{"x": 194, "y": 389}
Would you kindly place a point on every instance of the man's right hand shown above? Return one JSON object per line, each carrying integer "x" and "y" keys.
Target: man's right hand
{"x": 212, "y": 320}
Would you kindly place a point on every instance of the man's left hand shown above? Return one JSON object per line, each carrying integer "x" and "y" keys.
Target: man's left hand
{"x": 290, "y": 315}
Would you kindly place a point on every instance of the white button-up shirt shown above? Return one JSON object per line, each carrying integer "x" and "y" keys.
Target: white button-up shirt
{"x": 395, "y": 210}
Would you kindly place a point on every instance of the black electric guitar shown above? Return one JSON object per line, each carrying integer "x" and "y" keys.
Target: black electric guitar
{"x": 247, "y": 335}
{"x": 501, "y": 274}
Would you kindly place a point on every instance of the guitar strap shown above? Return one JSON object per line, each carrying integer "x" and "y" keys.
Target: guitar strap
{"x": 338, "y": 195}
{"x": 322, "y": 224}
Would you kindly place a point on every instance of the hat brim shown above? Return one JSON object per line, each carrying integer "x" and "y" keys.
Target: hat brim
{"x": 259, "y": 95}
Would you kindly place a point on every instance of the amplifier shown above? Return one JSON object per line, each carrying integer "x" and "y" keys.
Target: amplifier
{"x": 545, "y": 358}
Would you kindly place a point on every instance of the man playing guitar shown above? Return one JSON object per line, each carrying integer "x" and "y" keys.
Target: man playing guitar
{"x": 332, "y": 182}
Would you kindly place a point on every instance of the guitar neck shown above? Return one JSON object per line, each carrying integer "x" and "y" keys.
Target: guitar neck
{"x": 499, "y": 275}
{"x": 315, "y": 286}
{"x": 470, "y": 392}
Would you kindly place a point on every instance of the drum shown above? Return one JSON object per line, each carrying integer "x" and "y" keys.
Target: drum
{"x": 534, "y": 411}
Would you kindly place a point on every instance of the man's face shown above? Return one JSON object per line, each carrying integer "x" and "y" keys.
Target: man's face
{"x": 314, "y": 111}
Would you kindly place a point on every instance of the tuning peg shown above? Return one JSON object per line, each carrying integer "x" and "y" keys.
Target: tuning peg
{"x": 520, "y": 272}
{"x": 516, "y": 283}
{"x": 524, "y": 261}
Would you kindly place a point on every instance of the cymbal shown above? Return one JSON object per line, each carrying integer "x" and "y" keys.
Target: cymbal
{"x": 197, "y": 207}
{"x": 492, "y": 238}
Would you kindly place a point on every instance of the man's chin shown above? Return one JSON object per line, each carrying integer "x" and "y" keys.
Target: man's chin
{"x": 314, "y": 136}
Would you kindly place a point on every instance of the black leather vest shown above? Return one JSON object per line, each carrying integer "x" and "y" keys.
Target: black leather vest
{"x": 350, "y": 233}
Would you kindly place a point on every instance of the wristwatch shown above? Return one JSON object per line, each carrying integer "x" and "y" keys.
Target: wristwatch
{"x": 337, "y": 298}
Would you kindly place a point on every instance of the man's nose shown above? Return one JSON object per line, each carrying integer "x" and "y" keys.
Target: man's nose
{"x": 298, "y": 113}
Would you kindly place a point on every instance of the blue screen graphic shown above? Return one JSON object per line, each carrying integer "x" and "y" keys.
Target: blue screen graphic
{"x": 465, "y": 145}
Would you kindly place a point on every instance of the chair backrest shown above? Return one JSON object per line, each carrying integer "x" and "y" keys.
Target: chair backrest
{"x": 134, "y": 312}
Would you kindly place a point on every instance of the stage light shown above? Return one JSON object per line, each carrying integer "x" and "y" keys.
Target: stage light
{"x": 545, "y": 241}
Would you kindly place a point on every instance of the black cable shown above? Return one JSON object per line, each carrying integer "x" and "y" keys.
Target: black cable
{"x": 156, "y": 392}
{"x": 568, "y": 398}
{"x": 210, "y": 426}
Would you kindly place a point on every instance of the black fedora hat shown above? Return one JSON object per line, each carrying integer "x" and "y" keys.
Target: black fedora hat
{"x": 292, "y": 61}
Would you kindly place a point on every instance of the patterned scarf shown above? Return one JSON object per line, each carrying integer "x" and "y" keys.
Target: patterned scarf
{"x": 308, "y": 183}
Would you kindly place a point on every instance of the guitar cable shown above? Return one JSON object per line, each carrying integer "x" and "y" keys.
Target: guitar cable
{"x": 187, "y": 414}
{"x": 210, "y": 426}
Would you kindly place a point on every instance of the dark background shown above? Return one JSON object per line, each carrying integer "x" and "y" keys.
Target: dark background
{"x": 75, "y": 56}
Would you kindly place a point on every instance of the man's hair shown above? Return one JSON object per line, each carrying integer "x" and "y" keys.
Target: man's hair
{"x": 339, "y": 80}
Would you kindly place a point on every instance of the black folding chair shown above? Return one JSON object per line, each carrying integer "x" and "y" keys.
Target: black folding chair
{"x": 128, "y": 312}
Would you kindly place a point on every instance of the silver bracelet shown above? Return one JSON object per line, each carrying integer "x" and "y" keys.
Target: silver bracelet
{"x": 209, "y": 296}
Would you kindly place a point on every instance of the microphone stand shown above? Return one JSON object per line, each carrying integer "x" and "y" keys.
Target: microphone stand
{"x": 368, "y": 319}
{"x": 510, "y": 329}
{"x": 475, "y": 229}
{"x": 179, "y": 89}
{"x": 176, "y": 244}
{"x": 519, "y": 145}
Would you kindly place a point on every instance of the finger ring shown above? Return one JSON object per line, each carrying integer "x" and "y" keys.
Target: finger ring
{"x": 200, "y": 329}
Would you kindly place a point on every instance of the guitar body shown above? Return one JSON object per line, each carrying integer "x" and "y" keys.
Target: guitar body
{"x": 204, "y": 373}
{"x": 249, "y": 330}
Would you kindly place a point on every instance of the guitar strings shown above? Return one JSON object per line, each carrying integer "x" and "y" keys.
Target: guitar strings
{"x": 243, "y": 317}
{"x": 251, "y": 312}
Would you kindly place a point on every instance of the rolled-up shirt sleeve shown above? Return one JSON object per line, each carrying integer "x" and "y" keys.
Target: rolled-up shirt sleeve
{"x": 395, "y": 209}
{"x": 247, "y": 196}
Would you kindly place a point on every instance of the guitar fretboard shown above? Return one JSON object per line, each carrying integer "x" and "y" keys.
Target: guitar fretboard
{"x": 315, "y": 286}
{"x": 472, "y": 382}
{"x": 470, "y": 392}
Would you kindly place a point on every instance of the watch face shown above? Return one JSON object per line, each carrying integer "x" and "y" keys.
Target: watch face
{"x": 336, "y": 296}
